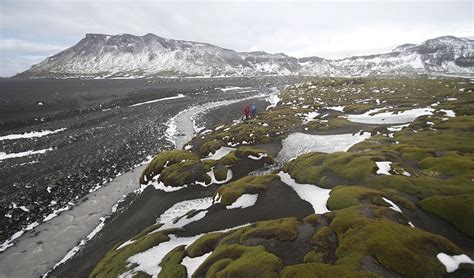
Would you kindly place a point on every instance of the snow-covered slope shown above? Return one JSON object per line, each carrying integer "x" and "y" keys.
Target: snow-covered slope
{"x": 99, "y": 55}
{"x": 266, "y": 63}
{"x": 441, "y": 55}
{"x": 128, "y": 55}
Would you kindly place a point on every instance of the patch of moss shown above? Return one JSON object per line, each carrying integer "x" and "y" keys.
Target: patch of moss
{"x": 250, "y": 184}
{"x": 240, "y": 261}
{"x": 313, "y": 219}
{"x": 320, "y": 237}
{"x": 210, "y": 147}
{"x": 283, "y": 229}
{"x": 183, "y": 173}
{"x": 165, "y": 158}
{"x": 313, "y": 168}
{"x": 306, "y": 168}
{"x": 204, "y": 244}
{"x": 351, "y": 166}
{"x": 171, "y": 266}
{"x": 458, "y": 210}
{"x": 313, "y": 257}
{"x": 345, "y": 196}
{"x": 319, "y": 270}
{"x": 405, "y": 250}
{"x": 449, "y": 165}
{"x": 220, "y": 173}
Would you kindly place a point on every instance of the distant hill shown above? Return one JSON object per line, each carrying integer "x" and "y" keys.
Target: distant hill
{"x": 125, "y": 55}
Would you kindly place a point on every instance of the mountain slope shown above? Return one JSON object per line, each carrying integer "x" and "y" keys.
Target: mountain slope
{"x": 125, "y": 55}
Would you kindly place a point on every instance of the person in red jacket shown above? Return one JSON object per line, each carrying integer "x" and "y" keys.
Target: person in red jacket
{"x": 247, "y": 111}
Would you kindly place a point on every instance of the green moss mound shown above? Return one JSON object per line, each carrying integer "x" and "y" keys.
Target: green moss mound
{"x": 408, "y": 251}
{"x": 449, "y": 165}
{"x": 282, "y": 229}
{"x": 458, "y": 210}
{"x": 240, "y": 261}
{"x": 317, "y": 168}
{"x": 204, "y": 244}
{"x": 210, "y": 147}
{"x": 319, "y": 270}
{"x": 185, "y": 173}
{"x": 313, "y": 257}
{"x": 171, "y": 266}
{"x": 345, "y": 196}
{"x": 167, "y": 158}
{"x": 250, "y": 184}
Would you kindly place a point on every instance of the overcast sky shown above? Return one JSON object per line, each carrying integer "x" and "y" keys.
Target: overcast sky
{"x": 34, "y": 29}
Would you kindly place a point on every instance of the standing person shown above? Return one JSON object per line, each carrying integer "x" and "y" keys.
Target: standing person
{"x": 254, "y": 110}
{"x": 247, "y": 111}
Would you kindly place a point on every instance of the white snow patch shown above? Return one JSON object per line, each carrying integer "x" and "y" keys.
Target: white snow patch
{"x": 260, "y": 156}
{"x": 55, "y": 213}
{"x": 309, "y": 117}
{"x": 183, "y": 207}
{"x": 183, "y": 221}
{"x": 192, "y": 264}
{"x": 449, "y": 113}
{"x": 397, "y": 127}
{"x": 384, "y": 167}
{"x": 392, "y": 204}
{"x": 233, "y": 88}
{"x": 128, "y": 242}
{"x": 161, "y": 186}
{"x": 336, "y": 108}
{"x": 8, "y": 243}
{"x": 32, "y": 134}
{"x": 452, "y": 262}
{"x": 220, "y": 153}
{"x": 157, "y": 100}
{"x": 299, "y": 143}
{"x": 373, "y": 117}
{"x": 4, "y": 156}
{"x": 244, "y": 201}
{"x": 313, "y": 194}
{"x": 405, "y": 173}
{"x": 274, "y": 99}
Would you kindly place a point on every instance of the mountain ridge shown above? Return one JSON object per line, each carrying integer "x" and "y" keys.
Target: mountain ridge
{"x": 126, "y": 55}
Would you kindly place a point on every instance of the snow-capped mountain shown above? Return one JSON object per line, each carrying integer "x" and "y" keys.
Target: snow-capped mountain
{"x": 99, "y": 55}
{"x": 441, "y": 55}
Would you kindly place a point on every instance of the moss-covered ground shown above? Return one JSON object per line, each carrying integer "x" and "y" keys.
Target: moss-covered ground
{"x": 431, "y": 175}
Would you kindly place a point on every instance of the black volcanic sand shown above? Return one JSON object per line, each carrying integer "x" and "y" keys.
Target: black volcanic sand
{"x": 278, "y": 201}
{"x": 104, "y": 136}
